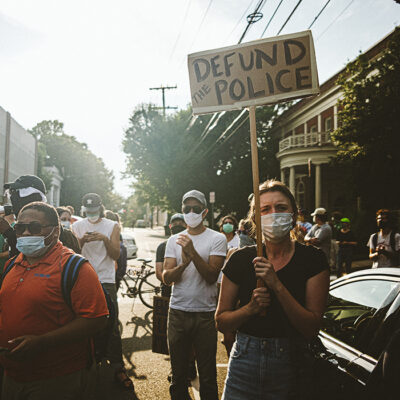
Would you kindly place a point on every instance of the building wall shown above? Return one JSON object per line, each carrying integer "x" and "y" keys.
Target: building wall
{"x": 21, "y": 150}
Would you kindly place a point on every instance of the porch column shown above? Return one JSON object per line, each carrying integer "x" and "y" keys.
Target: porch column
{"x": 317, "y": 185}
{"x": 335, "y": 119}
{"x": 282, "y": 176}
{"x": 292, "y": 180}
{"x": 319, "y": 127}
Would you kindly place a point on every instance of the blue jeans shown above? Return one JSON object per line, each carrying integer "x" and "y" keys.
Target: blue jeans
{"x": 266, "y": 368}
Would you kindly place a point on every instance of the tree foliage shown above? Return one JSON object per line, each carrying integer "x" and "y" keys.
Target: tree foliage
{"x": 168, "y": 157}
{"x": 368, "y": 137}
{"x": 81, "y": 170}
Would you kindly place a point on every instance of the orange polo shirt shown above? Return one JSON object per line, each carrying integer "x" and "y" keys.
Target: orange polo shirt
{"x": 31, "y": 303}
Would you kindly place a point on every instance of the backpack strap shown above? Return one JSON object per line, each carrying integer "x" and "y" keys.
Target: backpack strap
{"x": 69, "y": 276}
{"x": 7, "y": 269}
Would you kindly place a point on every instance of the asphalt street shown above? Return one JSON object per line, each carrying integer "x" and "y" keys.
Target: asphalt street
{"x": 148, "y": 370}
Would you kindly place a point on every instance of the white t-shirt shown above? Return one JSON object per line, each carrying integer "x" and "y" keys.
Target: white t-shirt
{"x": 95, "y": 252}
{"x": 234, "y": 242}
{"x": 382, "y": 260}
{"x": 192, "y": 293}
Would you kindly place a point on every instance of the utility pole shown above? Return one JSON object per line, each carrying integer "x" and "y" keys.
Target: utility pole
{"x": 163, "y": 89}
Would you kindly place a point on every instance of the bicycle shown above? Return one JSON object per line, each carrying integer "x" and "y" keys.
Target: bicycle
{"x": 142, "y": 279}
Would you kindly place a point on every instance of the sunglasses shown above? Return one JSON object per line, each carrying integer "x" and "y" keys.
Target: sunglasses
{"x": 196, "y": 209}
{"x": 33, "y": 227}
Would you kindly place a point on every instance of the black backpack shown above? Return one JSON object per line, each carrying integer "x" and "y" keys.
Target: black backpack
{"x": 69, "y": 276}
{"x": 392, "y": 242}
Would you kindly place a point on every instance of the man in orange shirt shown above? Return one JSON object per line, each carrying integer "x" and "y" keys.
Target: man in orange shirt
{"x": 45, "y": 343}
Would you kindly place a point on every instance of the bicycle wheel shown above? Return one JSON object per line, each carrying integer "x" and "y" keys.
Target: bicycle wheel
{"x": 149, "y": 287}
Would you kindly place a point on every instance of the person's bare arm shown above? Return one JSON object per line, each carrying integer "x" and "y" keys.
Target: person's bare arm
{"x": 229, "y": 319}
{"x": 28, "y": 346}
{"x": 373, "y": 254}
{"x": 208, "y": 270}
{"x": 172, "y": 272}
{"x": 307, "y": 320}
{"x": 112, "y": 245}
{"x": 159, "y": 271}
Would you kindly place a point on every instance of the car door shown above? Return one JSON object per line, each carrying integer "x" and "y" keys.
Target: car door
{"x": 356, "y": 307}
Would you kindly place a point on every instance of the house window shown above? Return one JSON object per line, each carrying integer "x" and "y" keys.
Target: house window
{"x": 313, "y": 128}
{"x": 328, "y": 124}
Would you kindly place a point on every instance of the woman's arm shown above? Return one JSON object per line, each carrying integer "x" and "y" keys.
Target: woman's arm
{"x": 227, "y": 318}
{"x": 307, "y": 320}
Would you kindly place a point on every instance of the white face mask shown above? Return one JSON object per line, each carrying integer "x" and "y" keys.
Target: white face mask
{"x": 66, "y": 224}
{"x": 276, "y": 226}
{"x": 192, "y": 219}
{"x": 93, "y": 217}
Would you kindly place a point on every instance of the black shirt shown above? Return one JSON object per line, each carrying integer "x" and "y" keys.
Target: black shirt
{"x": 307, "y": 261}
{"x": 345, "y": 237}
{"x": 160, "y": 252}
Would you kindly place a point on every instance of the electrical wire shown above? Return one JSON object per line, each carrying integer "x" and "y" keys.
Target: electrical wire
{"x": 180, "y": 32}
{"x": 322, "y": 9}
{"x": 250, "y": 22}
{"x": 290, "y": 16}
{"x": 342, "y": 12}
{"x": 201, "y": 24}
{"x": 273, "y": 15}
{"x": 240, "y": 19}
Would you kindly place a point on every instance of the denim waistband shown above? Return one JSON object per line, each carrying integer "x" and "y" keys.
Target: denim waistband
{"x": 273, "y": 346}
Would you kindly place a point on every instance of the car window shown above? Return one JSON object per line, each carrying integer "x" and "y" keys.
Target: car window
{"x": 351, "y": 308}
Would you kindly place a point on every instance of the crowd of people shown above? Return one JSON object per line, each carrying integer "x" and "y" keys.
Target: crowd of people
{"x": 61, "y": 275}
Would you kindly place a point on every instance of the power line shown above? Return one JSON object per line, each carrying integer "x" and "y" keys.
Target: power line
{"x": 180, "y": 32}
{"x": 273, "y": 15}
{"x": 163, "y": 89}
{"x": 252, "y": 18}
{"x": 322, "y": 9}
{"x": 290, "y": 16}
{"x": 240, "y": 19}
{"x": 342, "y": 12}
{"x": 201, "y": 24}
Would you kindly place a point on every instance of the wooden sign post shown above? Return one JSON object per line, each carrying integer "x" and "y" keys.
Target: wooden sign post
{"x": 260, "y": 72}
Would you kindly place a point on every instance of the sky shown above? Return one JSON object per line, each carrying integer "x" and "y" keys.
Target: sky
{"x": 89, "y": 63}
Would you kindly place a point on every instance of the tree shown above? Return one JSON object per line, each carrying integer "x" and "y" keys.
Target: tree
{"x": 368, "y": 136}
{"x": 168, "y": 157}
{"x": 81, "y": 170}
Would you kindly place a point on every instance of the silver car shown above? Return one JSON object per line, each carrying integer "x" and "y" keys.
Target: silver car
{"x": 130, "y": 244}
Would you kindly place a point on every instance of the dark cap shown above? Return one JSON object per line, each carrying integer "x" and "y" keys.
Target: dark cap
{"x": 91, "y": 201}
{"x": 26, "y": 181}
{"x": 195, "y": 194}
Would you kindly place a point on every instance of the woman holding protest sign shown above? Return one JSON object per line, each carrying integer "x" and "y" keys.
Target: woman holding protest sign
{"x": 268, "y": 358}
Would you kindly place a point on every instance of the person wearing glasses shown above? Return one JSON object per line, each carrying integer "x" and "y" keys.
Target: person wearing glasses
{"x": 193, "y": 259}
{"x": 44, "y": 341}
{"x": 25, "y": 190}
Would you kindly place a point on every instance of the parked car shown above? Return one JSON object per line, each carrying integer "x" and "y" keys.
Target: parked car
{"x": 358, "y": 356}
{"x": 140, "y": 223}
{"x": 130, "y": 244}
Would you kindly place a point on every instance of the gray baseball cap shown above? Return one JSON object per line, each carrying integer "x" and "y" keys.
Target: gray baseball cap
{"x": 195, "y": 194}
{"x": 175, "y": 217}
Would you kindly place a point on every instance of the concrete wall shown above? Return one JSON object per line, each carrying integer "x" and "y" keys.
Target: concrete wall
{"x": 17, "y": 150}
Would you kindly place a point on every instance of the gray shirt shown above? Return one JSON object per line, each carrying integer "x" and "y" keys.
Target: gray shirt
{"x": 324, "y": 234}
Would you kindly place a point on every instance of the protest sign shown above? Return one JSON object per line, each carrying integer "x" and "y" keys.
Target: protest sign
{"x": 260, "y": 72}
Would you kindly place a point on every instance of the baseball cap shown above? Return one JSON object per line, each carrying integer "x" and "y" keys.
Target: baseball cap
{"x": 195, "y": 194}
{"x": 319, "y": 211}
{"x": 27, "y": 181}
{"x": 91, "y": 202}
{"x": 345, "y": 220}
{"x": 175, "y": 217}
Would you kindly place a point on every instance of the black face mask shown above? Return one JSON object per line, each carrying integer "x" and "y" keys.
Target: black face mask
{"x": 177, "y": 229}
{"x": 383, "y": 224}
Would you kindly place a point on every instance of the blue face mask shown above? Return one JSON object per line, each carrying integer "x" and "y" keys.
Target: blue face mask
{"x": 227, "y": 228}
{"x": 33, "y": 246}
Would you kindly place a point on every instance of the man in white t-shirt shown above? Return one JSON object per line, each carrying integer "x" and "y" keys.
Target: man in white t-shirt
{"x": 99, "y": 239}
{"x": 193, "y": 260}
{"x": 384, "y": 246}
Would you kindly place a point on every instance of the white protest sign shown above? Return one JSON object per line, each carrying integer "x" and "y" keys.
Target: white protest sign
{"x": 260, "y": 72}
